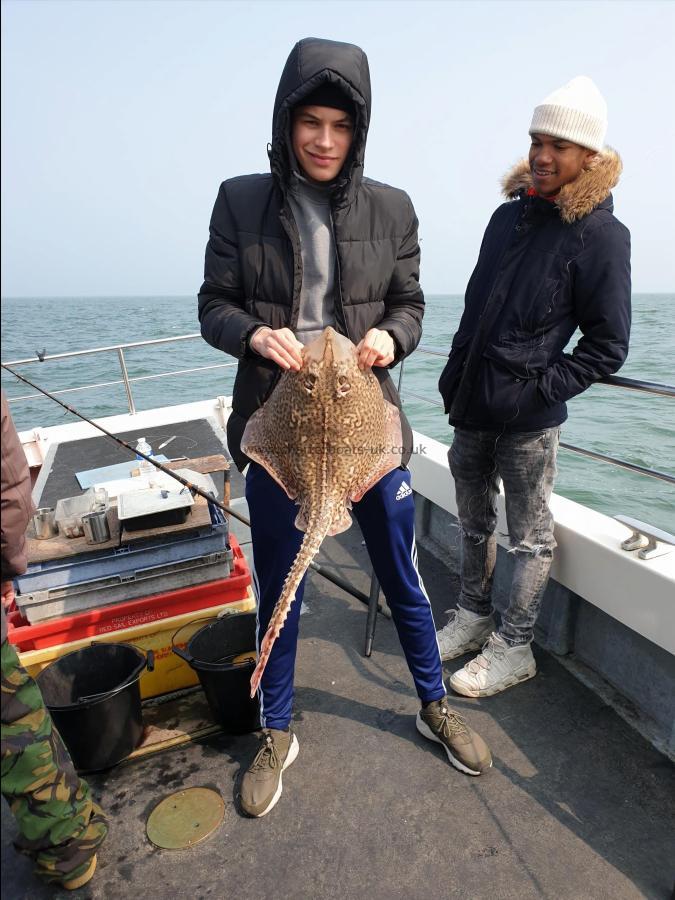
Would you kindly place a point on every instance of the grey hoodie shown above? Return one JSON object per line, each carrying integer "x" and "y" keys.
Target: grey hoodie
{"x": 310, "y": 205}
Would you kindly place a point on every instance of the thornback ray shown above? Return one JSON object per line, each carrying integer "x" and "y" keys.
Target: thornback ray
{"x": 326, "y": 436}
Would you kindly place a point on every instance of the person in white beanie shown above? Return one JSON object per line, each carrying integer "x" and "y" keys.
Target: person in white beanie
{"x": 553, "y": 259}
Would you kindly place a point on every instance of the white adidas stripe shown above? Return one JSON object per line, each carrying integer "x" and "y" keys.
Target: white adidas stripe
{"x": 256, "y": 591}
{"x": 413, "y": 557}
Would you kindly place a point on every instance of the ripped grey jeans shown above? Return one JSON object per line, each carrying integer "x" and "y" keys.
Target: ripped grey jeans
{"x": 526, "y": 464}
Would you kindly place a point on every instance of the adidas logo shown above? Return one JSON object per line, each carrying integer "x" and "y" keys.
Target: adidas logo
{"x": 404, "y": 491}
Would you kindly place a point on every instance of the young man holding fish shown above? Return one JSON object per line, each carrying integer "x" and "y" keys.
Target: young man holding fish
{"x": 553, "y": 259}
{"x": 313, "y": 245}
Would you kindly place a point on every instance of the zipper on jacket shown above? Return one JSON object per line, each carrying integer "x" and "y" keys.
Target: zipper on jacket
{"x": 297, "y": 264}
{"x": 486, "y": 321}
{"x": 338, "y": 269}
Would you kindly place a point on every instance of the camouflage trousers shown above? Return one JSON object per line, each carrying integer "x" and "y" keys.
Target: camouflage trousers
{"x": 60, "y": 826}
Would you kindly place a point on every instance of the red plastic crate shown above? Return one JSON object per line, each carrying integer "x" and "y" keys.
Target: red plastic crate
{"x": 135, "y": 612}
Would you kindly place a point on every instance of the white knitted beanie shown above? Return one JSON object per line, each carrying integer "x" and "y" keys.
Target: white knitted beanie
{"x": 576, "y": 112}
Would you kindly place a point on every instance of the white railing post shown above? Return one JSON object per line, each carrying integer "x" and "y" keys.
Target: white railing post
{"x": 127, "y": 384}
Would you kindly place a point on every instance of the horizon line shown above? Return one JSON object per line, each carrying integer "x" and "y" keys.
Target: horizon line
{"x": 183, "y": 296}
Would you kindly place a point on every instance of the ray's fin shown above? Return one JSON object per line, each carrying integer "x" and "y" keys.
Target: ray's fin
{"x": 257, "y": 445}
{"x": 390, "y": 458}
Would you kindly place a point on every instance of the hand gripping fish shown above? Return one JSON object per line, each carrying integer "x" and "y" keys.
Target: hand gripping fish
{"x": 326, "y": 435}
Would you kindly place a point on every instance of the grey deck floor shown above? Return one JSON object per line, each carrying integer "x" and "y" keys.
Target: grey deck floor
{"x": 577, "y": 805}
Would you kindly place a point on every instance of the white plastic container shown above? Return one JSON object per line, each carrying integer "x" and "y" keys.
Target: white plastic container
{"x": 69, "y": 512}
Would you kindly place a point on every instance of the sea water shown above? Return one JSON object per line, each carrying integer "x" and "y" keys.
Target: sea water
{"x": 637, "y": 428}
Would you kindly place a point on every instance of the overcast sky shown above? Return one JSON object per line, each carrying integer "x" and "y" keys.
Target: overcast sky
{"x": 120, "y": 119}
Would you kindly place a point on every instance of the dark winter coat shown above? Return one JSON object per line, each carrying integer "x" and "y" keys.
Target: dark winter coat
{"x": 544, "y": 269}
{"x": 253, "y": 269}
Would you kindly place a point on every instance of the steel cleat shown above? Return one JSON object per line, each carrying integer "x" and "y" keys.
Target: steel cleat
{"x": 648, "y": 540}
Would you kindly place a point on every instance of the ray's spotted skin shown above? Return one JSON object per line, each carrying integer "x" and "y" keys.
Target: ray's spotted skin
{"x": 326, "y": 435}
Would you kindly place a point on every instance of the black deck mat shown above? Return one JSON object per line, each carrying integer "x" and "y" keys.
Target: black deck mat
{"x": 191, "y": 439}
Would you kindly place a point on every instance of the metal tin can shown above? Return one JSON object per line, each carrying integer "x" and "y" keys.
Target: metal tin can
{"x": 44, "y": 523}
{"x": 96, "y": 528}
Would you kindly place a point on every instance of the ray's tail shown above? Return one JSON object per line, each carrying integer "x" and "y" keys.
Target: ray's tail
{"x": 316, "y": 531}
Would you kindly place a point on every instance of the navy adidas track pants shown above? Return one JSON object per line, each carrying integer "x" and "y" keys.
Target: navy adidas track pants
{"x": 386, "y": 515}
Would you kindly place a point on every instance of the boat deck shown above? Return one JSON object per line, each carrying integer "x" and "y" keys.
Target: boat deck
{"x": 578, "y": 805}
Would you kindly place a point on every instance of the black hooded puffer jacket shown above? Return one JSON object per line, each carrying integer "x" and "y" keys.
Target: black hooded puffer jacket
{"x": 253, "y": 268}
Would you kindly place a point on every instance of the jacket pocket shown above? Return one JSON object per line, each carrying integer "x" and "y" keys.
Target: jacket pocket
{"x": 452, "y": 373}
{"x": 508, "y": 387}
{"x": 525, "y": 358}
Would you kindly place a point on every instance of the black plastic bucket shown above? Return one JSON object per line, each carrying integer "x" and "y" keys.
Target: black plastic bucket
{"x": 212, "y": 652}
{"x": 94, "y": 699}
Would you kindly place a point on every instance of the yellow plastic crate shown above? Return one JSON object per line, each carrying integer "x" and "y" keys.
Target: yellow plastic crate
{"x": 171, "y": 673}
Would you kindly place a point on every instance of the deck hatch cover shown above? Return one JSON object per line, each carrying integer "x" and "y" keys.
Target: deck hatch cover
{"x": 185, "y": 818}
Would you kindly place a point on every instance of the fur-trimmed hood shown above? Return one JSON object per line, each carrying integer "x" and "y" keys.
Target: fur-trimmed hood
{"x": 581, "y": 196}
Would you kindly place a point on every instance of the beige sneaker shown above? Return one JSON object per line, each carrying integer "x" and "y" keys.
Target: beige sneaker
{"x": 465, "y": 631}
{"x": 261, "y": 786}
{"x": 466, "y": 750}
{"x": 497, "y": 667}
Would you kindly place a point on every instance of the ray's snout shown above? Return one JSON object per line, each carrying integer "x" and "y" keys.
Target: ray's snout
{"x": 329, "y": 347}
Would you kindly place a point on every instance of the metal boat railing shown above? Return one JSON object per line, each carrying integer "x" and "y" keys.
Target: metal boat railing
{"x": 646, "y": 387}
{"x": 126, "y": 380}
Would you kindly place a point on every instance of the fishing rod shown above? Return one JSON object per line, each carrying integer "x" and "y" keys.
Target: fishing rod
{"x": 122, "y": 443}
{"x": 330, "y": 576}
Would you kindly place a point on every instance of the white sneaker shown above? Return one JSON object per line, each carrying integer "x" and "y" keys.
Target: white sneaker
{"x": 496, "y": 668}
{"x": 465, "y": 631}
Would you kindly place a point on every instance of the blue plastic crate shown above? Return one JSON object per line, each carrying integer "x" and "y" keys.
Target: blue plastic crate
{"x": 142, "y": 554}
{"x": 69, "y": 599}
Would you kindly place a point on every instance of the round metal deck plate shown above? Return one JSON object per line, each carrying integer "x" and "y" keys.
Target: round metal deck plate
{"x": 185, "y": 818}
